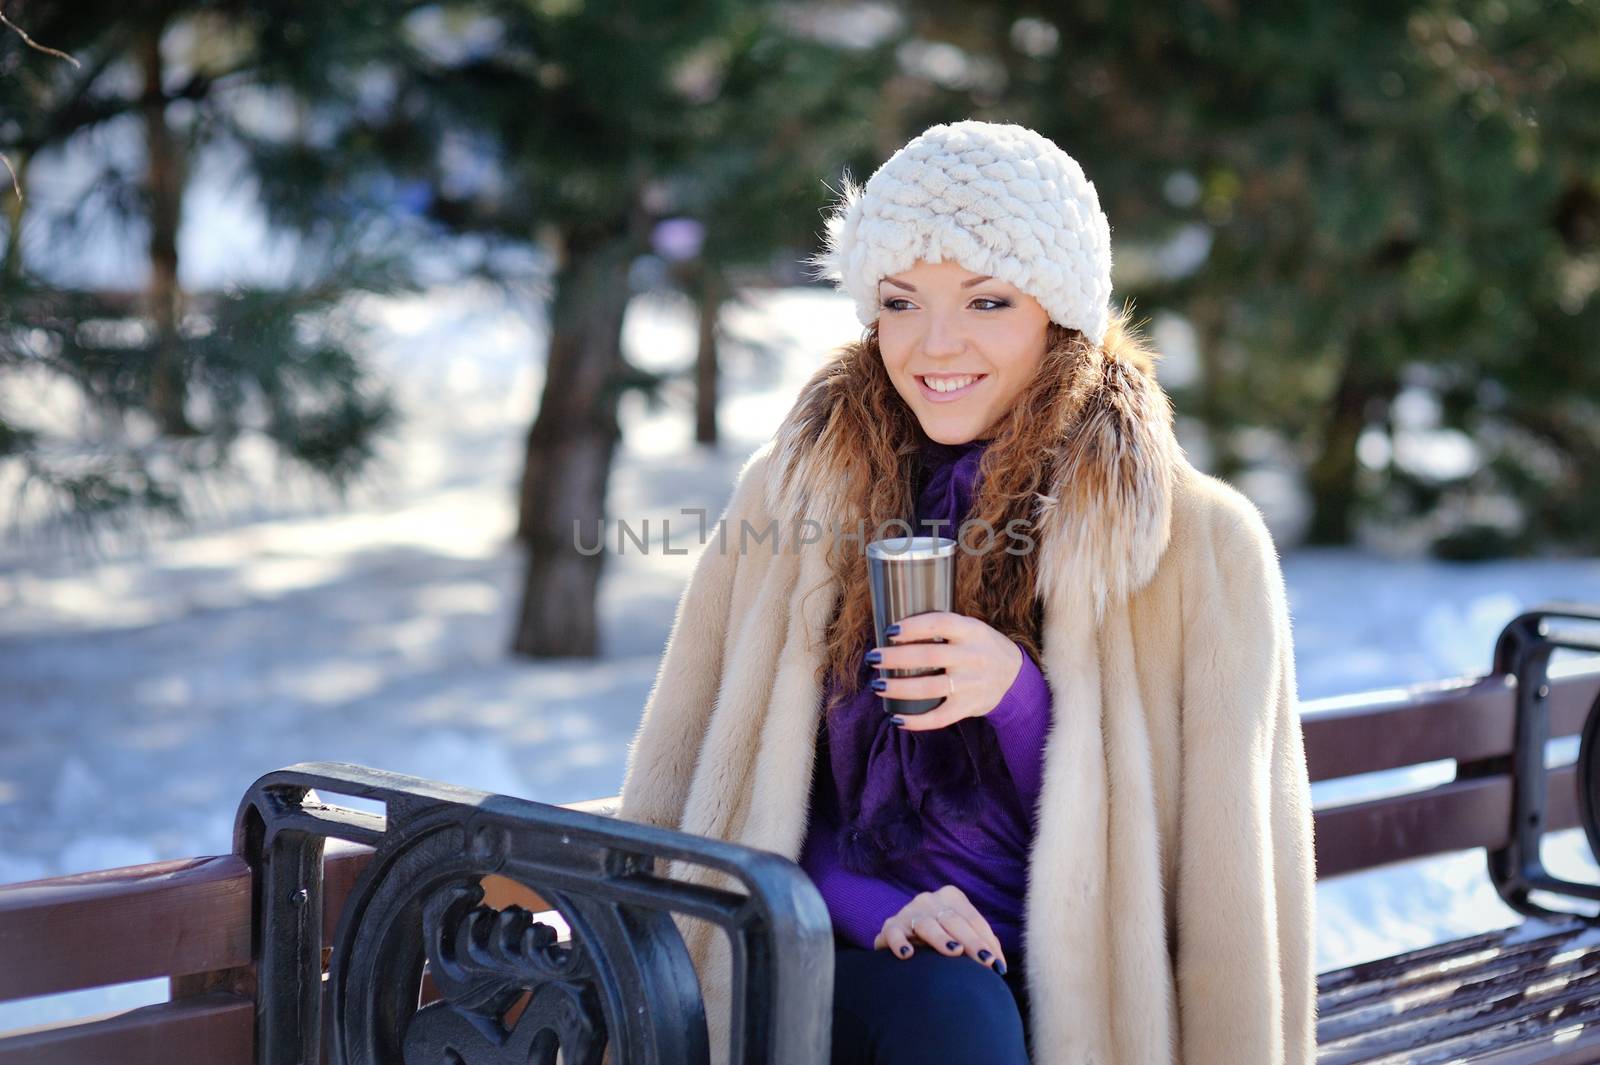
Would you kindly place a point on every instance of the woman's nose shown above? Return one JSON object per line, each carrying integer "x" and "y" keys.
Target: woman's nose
{"x": 943, "y": 337}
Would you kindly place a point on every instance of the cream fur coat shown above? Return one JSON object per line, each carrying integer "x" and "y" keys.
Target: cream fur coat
{"x": 1169, "y": 909}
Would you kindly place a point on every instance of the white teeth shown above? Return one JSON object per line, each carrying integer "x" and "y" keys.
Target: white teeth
{"x": 949, "y": 384}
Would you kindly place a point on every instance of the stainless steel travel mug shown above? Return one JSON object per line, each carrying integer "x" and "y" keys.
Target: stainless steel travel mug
{"x": 909, "y": 575}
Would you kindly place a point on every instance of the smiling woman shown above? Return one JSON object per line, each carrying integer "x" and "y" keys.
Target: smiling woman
{"x": 959, "y": 347}
{"x": 1097, "y": 845}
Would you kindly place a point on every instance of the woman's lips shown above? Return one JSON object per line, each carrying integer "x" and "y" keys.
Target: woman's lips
{"x": 933, "y": 396}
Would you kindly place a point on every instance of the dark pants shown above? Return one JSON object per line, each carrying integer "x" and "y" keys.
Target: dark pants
{"x": 926, "y": 1008}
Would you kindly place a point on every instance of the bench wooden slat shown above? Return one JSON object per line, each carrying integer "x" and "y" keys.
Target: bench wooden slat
{"x": 1468, "y": 720}
{"x": 1334, "y": 986}
{"x": 141, "y": 922}
{"x": 214, "y": 1029}
{"x": 117, "y": 925}
{"x": 1562, "y": 1046}
{"x": 1455, "y": 816}
{"x": 1521, "y": 1030}
{"x": 1529, "y": 1025}
{"x": 1346, "y": 1009}
{"x": 342, "y": 864}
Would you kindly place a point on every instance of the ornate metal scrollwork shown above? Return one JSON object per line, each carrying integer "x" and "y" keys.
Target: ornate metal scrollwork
{"x": 484, "y": 961}
{"x": 509, "y": 990}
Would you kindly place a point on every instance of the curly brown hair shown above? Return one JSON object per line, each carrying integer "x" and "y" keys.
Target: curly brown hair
{"x": 995, "y": 585}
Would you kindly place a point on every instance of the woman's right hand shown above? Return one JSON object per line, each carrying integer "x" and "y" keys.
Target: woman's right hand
{"x": 947, "y": 921}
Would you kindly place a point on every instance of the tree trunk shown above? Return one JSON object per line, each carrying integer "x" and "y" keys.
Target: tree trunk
{"x": 705, "y": 363}
{"x": 1332, "y": 476}
{"x": 1212, "y": 407}
{"x": 164, "y": 174}
{"x": 569, "y": 451}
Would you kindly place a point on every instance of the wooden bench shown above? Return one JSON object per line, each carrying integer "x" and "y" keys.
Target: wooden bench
{"x": 321, "y": 937}
{"x": 1527, "y": 993}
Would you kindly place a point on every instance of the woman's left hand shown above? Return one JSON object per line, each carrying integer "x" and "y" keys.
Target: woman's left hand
{"x": 979, "y": 661}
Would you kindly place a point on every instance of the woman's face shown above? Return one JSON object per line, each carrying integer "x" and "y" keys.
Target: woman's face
{"x": 960, "y": 347}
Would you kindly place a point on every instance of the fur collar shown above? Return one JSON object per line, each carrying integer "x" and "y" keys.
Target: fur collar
{"x": 1106, "y": 523}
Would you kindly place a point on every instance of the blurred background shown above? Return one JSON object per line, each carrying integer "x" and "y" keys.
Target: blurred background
{"x": 319, "y": 323}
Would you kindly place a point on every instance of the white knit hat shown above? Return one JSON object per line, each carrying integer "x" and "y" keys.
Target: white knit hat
{"x": 998, "y": 199}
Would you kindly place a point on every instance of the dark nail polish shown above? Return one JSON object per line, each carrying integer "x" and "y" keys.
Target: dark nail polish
{"x": 874, "y": 657}
{"x": 879, "y": 684}
{"x": 1000, "y": 967}
{"x": 897, "y": 720}
{"x": 984, "y": 955}
{"x": 892, "y": 630}
{"x": 905, "y": 952}
{"x": 952, "y": 945}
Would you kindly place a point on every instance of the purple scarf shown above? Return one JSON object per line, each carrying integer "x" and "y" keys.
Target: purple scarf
{"x": 884, "y": 777}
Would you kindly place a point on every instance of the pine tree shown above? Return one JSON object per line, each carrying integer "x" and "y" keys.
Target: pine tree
{"x": 1386, "y": 194}
{"x": 170, "y": 379}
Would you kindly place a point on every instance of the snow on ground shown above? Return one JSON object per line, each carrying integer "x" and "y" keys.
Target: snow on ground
{"x": 142, "y": 691}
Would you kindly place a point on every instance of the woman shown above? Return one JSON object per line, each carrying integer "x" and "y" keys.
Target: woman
{"x": 1098, "y": 847}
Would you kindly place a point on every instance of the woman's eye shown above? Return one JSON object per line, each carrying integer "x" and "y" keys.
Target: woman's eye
{"x": 997, "y": 303}
{"x": 889, "y": 304}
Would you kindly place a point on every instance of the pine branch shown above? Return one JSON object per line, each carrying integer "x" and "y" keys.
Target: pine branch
{"x": 16, "y": 185}
{"x": 35, "y": 45}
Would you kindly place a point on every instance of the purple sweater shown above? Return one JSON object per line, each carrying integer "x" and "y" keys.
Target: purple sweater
{"x": 986, "y": 858}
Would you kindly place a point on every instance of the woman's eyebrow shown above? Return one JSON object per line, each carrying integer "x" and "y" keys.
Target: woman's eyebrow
{"x": 964, "y": 284}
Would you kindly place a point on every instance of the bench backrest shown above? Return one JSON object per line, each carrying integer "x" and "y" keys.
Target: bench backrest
{"x": 1503, "y": 795}
{"x": 1472, "y": 721}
